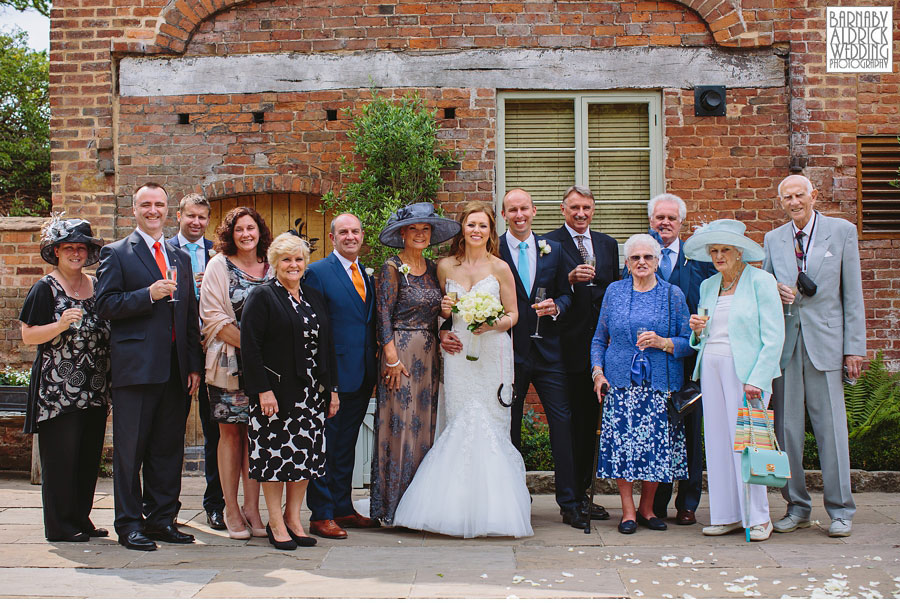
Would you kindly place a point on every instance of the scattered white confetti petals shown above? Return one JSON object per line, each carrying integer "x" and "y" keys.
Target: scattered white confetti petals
{"x": 654, "y": 582}
{"x": 638, "y": 593}
{"x": 517, "y": 579}
{"x": 667, "y": 557}
{"x": 723, "y": 573}
{"x": 633, "y": 581}
{"x": 687, "y": 560}
{"x": 571, "y": 549}
{"x": 568, "y": 575}
{"x": 839, "y": 576}
{"x": 667, "y": 596}
{"x": 776, "y": 581}
{"x": 484, "y": 575}
{"x": 581, "y": 552}
{"x": 680, "y": 583}
{"x": 707, "y": 587}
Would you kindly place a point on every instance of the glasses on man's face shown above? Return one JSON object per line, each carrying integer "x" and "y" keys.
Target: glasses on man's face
{"x": 647, "y": 258}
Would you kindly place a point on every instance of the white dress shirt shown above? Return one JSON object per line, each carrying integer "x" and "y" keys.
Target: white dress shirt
{"x": 346, "y": 264}
{"x": 200, "y": 253}
{"x": 810, "y": 230}
{"x": 162, "y": 245}
{"x": 513, "y": 243}
{"x": 587, "y": 238}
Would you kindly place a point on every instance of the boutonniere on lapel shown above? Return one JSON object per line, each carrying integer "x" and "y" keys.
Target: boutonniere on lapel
{"x": 212, "y": 253}
{"x": 404, "y": 270}
{"x": 544, "y": 246}
{"x": 370, "y": 271}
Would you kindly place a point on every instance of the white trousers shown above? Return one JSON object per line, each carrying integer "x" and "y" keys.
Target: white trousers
{"x": 723, "y": 394}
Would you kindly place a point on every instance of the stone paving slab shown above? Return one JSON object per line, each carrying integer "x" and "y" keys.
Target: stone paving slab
{"x": 767, "y": 583}
{"x": 557, "y": 562}
{"x": 438, "y": 559}
{"x": 522, "y": 584}
{"x": 284, "y": 583}
{"x": 103, "y": 583}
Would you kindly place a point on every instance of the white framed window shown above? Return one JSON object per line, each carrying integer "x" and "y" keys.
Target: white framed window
{"x": 610, "y": 142}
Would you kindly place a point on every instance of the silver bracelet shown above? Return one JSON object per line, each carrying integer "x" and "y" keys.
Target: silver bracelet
{"x": 393, "y": 365}
{"x": 595, "y": 372}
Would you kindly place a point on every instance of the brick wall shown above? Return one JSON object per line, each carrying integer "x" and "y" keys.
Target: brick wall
{"x": 20, "y": 267}
{"x": 722, "y": 166}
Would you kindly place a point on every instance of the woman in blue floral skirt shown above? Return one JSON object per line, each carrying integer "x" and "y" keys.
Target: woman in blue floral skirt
{"x": 642, "y": 335}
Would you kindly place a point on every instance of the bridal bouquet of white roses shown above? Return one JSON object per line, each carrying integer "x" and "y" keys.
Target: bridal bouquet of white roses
{"x": 477, "y": 309}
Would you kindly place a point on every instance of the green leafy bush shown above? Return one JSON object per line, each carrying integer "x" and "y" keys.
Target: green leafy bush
{"x": 873, "y": 421}
{"x": 9, "y": 376}
{"x": 536, "y": 444}
{"x": 401, "y": 160}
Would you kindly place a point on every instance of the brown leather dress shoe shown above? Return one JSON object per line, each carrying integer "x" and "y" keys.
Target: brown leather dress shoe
{"x": 326, "y": 528}
{"x": 357, "y": 521}
{"x": 685, "y": 518}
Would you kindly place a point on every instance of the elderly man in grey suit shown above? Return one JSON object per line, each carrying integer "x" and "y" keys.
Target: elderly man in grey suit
{"x": 825, "y": 332}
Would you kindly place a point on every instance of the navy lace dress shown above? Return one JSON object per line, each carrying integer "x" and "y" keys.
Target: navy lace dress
{"x": 408, "y": 307}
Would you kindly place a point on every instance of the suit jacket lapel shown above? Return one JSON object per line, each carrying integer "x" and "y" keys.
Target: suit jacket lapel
{"x": 370, "y": 292}
{"x": 344, "y": 279}
{"x": 506, "y": 255}
{"x": 143, "y": 252}
{"x": 569, "y": 246}
{"x": 820, "y": 246}
{"x": 208, "y": 247}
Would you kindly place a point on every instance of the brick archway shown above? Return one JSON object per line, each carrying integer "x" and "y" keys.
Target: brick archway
{"x": 180, "y": 18}
{"x": 281, "y": 183}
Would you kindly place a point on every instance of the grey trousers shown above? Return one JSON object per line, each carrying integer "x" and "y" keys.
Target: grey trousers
{"x": 802, "y": 388}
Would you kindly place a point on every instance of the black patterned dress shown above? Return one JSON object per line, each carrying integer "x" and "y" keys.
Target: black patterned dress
{"x": 408, "y": 307}
{"x": 293, "y": 448}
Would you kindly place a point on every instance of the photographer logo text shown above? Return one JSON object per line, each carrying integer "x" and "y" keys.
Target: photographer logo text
{"x": 859, "y": 39}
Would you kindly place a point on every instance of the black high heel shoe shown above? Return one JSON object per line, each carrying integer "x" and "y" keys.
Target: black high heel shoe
{"x": 286, "y": 545}
{"x": 300, "y": 540}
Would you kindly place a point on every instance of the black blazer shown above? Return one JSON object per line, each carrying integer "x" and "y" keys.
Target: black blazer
{"x": 207, "y": 246}
{"x": 548, "y": 275}
{"x": 271, "y": 335}
{"x": 140, "y": 329}
{"x": 581, "y": 320}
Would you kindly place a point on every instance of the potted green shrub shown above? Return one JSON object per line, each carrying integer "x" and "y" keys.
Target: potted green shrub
{"x": 14, "y": 390}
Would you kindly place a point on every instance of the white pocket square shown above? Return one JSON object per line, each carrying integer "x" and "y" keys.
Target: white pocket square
{"x": 828, "y": 254}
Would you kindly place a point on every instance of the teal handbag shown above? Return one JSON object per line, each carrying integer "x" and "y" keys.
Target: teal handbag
{"x": 764, "y": 467}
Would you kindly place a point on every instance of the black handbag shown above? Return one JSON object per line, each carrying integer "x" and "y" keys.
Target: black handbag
{"x": 686, "y": 400}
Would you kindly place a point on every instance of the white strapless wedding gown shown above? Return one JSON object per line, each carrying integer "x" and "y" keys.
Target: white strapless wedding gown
{"x": 472, "y": 481}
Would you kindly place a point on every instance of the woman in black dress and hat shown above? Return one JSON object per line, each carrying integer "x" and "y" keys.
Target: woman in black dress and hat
{"x": 68, "y": 398}
{"x": 408, "y": 304}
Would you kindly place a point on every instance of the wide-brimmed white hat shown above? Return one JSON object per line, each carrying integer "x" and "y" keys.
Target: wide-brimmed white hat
{"x": 723, "y": 232}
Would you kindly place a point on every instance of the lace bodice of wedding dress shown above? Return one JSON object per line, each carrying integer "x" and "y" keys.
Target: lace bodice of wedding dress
{"x": 472, "y": 481}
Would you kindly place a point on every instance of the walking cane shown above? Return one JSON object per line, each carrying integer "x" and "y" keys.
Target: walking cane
{"x": 603, "y": 390}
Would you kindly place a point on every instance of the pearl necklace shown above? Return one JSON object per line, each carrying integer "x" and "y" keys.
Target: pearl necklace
{"x": 722, "y": 286}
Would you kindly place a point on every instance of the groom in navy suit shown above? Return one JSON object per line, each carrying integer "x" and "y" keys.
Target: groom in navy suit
{"x": 536, "y": 263}
{"x": 350, "y": 296}
{"x": 193, "y": 218}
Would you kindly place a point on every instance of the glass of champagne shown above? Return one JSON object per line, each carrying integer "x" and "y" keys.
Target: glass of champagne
{"x": 703, "y": 313}
{"x": 76, "y": 324}
{"x": 454, "y": 297}
{"x": 592, "y": 262}
{"x": 172, "y": 275}
{"x": 789, "y": 308}
{"x": 540, "y": 294}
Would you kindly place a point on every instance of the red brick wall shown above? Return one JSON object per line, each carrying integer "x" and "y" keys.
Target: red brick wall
{"x": 20, "y": 267}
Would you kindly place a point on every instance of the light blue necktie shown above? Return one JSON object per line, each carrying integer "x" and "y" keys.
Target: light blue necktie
{"x": 524, "y": 268}
{"x": 665, "y": 264}
{"x": 195, "y": 263}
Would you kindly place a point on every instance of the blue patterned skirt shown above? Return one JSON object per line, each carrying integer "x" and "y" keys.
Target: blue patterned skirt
{"x": 637, "y": 441}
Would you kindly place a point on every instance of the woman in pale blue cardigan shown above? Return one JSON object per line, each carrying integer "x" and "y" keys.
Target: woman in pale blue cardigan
{"x": 641, "y": 337}
{"x": 739, "y": 347}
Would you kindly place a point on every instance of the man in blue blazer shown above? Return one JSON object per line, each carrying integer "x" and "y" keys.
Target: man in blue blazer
{"x": 579, "y": 243}
{"x": 667, "y": 213}
{"x": 156, "y": 363}
{"x": 350, "y": 295}
{"x": 193, "y": 218}
{"x": 537, "y": 263}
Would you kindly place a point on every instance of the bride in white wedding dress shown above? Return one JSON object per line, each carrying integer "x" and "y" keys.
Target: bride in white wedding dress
{"x": 472, "y": 481}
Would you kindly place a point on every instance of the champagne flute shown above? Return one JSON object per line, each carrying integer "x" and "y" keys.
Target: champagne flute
{"x": 172, "y": 275}
{"x": 592, "y": 262}
{"x": 540, "y": 294}
{"x": 789, "y": 308}
{"x": 704, "y": 313}
{"x": 454, "y": 297}
{"x": 640, "y": 331}
{"x": 76, "y": 324}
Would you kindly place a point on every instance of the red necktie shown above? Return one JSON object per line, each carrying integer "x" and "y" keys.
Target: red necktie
{"x": 160, "y": 260}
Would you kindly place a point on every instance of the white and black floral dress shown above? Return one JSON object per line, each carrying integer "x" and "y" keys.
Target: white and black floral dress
{"x": 293, "y": 448}
{"x": 71, "y": 371}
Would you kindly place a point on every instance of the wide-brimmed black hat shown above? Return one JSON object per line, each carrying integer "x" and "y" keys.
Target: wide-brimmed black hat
{"x": 417, "y": 213}
{"x": 75, "y": 230}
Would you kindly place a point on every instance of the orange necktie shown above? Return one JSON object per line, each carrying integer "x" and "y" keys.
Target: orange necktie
{"x": 160, "y": 260}
{"x": 357, "y": 279}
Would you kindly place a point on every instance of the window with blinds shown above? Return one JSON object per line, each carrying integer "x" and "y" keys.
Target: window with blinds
{"x": 878, "y": 195}
{"x": 610, "y": 143}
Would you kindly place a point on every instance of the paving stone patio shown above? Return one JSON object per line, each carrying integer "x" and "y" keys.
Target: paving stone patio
{"x": 557, "y": 562}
